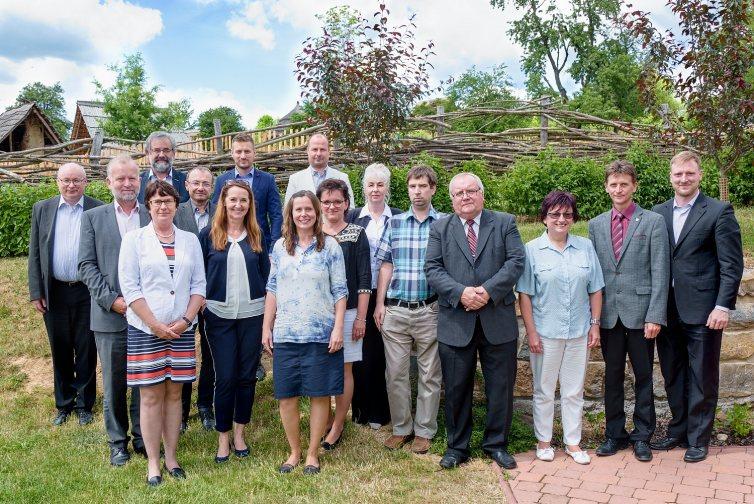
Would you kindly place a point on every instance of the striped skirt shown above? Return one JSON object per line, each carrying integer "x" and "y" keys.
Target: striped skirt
{"x": 152, "y": 360}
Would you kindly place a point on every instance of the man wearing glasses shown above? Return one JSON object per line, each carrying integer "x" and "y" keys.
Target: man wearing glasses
{"x": 63, "y": 300}
{"x": 160, "y": 150}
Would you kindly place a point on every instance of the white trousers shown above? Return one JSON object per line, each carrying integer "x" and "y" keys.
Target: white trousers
{"x": 564, "y": 360}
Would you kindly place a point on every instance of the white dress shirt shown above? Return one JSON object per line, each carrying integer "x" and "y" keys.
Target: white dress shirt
{"x": 127, "y": 221}
{"x": 65, "y": 247}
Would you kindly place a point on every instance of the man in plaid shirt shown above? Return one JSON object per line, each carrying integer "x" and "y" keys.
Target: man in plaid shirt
{"x": 406, "y": 313}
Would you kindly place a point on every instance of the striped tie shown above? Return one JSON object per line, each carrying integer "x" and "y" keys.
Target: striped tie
{"x": 471, "y": 236}
{"x": 618, "y": 235}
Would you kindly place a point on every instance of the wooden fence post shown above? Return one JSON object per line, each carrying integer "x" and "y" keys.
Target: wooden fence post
{"x": 218, "y": 137}
{"x": 543, "y": 122}
{"x": 95, "y": 152}
{"x": 441, "y": 114}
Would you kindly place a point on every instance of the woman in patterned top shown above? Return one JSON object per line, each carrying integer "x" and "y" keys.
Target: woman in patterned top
{"x": 334, "y": 196}
{"x": 161, "y": 274}
{"x": 306, "y": 303}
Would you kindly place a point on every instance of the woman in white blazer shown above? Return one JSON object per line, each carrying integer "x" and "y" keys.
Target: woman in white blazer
{"x": 161, "y": 273}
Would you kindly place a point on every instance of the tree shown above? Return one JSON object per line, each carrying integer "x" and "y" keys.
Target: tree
{"x": 362, "y": 77}
{"x": 50, "y": 100}
{"x": 707, "y": 66}
{"x": 230, "y": 121}
{"x": 265, "y": 121}
{"x": 176, "y": 116}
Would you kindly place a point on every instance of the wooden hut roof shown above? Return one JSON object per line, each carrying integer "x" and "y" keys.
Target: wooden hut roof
{"x": 13, "y": 117}
{"x": 89, "y": 115}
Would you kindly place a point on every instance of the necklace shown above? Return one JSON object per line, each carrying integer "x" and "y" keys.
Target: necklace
{"x": 164, "y": 236}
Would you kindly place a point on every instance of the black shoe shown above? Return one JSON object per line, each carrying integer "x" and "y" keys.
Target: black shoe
{"x": 154, "y": 481}
{"x": 331, "y": 446}
{"x": 611, "y": 446}
{"x": 451, "y": 460}
{"x": 642, "y": 452}
{"x": 61, "y": 418}
{"x": 695, "y": 454}
{"x": 241, "y": 453}
{"x": 176, "y": 472}
{"x": 85, "y": 417}
{"x": 503, "y": 459}
{"x": 286, "y": 468}
{"x": 184, "y": 426}
{"x": 311, "y": 469}
{"x": 261, "y": 373}
{"x": 668, "y": 443}
{"x": 208, "y": 418}
{"x": 119, "y": 456}
{"x": 140, "y": 449}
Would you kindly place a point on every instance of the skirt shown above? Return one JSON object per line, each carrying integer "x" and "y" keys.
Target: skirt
{"x": 351, "y": 348}
{"x": 152, "y": 360}
{"x": 306, "y": 370}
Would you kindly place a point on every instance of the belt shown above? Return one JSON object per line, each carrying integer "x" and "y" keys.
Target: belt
{"x": 75, "y": 283}
{"x": 411, "y": 305}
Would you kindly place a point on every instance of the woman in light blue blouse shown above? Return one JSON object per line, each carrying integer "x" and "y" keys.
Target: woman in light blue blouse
{"x": 560, "y": 294}
{"x": 303, "y": 318}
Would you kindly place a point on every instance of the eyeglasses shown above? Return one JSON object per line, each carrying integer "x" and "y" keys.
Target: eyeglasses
{"x": 74, "y": 181}
{"x": 196, "y": 183}
{"x": 160, "y": 151}
{"x": 162, "y": 202}
{"x": 558, "y": 215}
{"x": 329, "y": 203}
{"x": 466, "y": 192}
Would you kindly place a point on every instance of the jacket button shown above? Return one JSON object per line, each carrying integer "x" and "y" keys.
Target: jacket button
{"x": 172, "y": 293}
{"x": 618, "y": 291}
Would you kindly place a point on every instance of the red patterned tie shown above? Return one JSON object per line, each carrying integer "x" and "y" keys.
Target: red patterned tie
{"x": 618, "y": 235}
{"x": 471, "y": 236}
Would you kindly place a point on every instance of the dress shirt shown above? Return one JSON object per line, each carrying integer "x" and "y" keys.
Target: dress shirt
{"x": 374, "y": 231}
{"x": 404, "y": 243}
{"x": 559, "y": 284}
{"x": 238, "y": 303}
{"x": 477, "y": 220}
{"x": 248, "y": 178}
{"x": 318, "y": 177}
{"x": 201, "y": 218}
{"x": 627, "y": 214}
{"x": 168, "y": 178}
{"x": 65, "y": 247}
{"x": 127, "y": 222}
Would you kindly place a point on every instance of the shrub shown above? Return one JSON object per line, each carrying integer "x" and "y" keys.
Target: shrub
{"x": 739, "y": 420}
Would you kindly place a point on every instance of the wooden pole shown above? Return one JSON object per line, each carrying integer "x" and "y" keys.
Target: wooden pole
{"x": 218, "y": 136}
{"x": 544, "y": 122}
{"x": 441, "y": 115}
{"x": 96, "y": 150}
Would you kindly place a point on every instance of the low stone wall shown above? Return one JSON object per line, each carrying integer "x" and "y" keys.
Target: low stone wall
{"x": 736, "y": 363}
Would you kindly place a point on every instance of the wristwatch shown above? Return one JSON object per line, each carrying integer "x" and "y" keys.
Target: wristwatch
{"x": 188, "y": 322}
{"x": 594, "y": 321}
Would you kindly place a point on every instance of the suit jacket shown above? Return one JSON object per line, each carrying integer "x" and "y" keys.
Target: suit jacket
{"x": 497, "y": 266}
{"x": 41, "y": 246}
{"x": 636, "y": 285}
{"x": 352, "y": 217}
{"x": 99, "y": 250}
{"x": 266, "y": 202}
{"x": 184, "y": 217}
{"x": 302, "y": 180}
{"x": 179, "y": 182}
{"x": 707, "y": 261}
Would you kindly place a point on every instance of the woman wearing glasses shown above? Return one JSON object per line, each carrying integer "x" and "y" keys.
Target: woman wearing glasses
{"x": 561, "y": 299}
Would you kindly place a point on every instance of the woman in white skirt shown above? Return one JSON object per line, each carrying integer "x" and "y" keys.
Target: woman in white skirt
{"x": 334, "y": 197}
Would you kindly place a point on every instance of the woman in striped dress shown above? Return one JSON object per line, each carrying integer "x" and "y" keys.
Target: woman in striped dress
{"x": 161, "y": 273}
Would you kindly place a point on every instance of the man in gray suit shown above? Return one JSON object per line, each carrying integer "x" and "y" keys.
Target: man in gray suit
{"x": 632, "y": 247}
{"x": 474, "y": 259}
{"x": 56, "y": 293}
{"x": 102, "y": 229}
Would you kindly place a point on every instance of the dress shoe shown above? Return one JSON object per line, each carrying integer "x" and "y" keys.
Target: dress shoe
{"x": 119, "y": 456}
{"x": 668, "y": 443}
{"x": 85, "y": 417}
{"x": 396, "y": 442}
{"x": 642, "y": 452}
{"x": 184, "y": 426}
{"x": 331, "y": 446}
{"x": 311, "y": 470}
{"x": 451, "y": 460}
{"x": 176, "y": 472}
{"x": 154, "y": 481}
{"x": 420, "y": 445}
{"x": 61, "y": 418}
{"x": 503, "y": 459}
{"x": 611, "y": 446}
{"x": 207, "y": 416}
{"x": 695, "y": 454}
{"x": 242, "y": 453}
{"x": 261, "y": 373}
{"x": 140, "y": 449}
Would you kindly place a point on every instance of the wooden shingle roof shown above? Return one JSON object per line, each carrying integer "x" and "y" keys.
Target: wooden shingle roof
{"x": 13, "y": 117}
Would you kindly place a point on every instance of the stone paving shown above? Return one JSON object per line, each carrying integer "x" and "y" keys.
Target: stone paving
{"x": 727, "y": 475}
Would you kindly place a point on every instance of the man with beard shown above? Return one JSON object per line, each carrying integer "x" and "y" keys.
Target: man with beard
{"x": 160, "y": 150}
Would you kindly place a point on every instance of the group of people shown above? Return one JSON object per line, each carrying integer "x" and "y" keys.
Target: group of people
{"x": 342, "y": 297}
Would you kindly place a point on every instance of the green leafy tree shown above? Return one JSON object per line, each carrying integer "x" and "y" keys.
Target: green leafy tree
{"x": 50, "y": 100}
{"x": 176, "y": 116}
{"x": 230, "y": 121}
{"x": 266, "y": 121}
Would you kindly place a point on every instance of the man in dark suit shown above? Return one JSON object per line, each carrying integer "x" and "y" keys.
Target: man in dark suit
{"x": 56, "y": 293}
{"x": 102, "y": 230}
{"x": 706, "y": 265}
{"x": 160, "y": 150}
{"x": 193, "y": 216}
{"x": 266, "y": 196}
{"x": 474, "y": 259}
{"x": 632, "y": 246}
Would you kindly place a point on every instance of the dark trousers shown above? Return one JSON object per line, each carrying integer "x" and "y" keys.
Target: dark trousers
{"x": 616, "y": 344}
{"x": 370, "y": 403}
{"x": 235, "y": 345}
{"x": 206, "y": 382}
{"x": 74, "y": 353}
{"x": 690, "y": 363}
{"x": 458, "y": 370}
{"x": 112, "y": 347}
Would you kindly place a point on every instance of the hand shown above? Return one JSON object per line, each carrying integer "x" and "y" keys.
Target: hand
{"x": 483, "y": 294}
{"x": 651, "y": 330}
{"x": 535, "y": 343}
{"x": 471, "y": 299}
{"x": 119, "y": 305}
{"x": 336, "y": 340}
{"x": 39, "y": 304}
{"x": 267, "y": 341}
{"x": 717, "y": 320}
{"x": 359, "y": 329}
{"x": 594, "y": 336}
{"x": 178, "y": 326}
{"x": 379, "y": 314}
{"x": 163, "y": 331}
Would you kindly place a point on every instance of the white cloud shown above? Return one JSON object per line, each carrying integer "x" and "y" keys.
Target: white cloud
{"x": 252, "y": 24}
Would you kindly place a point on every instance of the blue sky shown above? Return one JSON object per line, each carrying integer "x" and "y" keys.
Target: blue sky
{"x": 237, "y": 53}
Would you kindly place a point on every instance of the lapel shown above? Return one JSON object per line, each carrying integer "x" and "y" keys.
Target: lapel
{"x": 485, "y": 230}
{"x": 152, "y": 246}
{"x": 666, "y": 210}
{"x": 144, "y": 217}
{"x": 460, "y": 237}
{"x": 696, "y": 212}
{"x": 632, "y": 225}
{"x": 607, "y": 223}
{"x": 113, "y": 224}
{"x": 180, "y": 251}
{"x": 49, "y": 217}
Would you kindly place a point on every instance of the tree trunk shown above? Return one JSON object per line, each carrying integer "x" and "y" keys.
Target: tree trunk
{"x": 723, "y": 184}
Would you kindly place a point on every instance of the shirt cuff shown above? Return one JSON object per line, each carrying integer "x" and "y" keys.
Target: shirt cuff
{"x": 722, "y": 308}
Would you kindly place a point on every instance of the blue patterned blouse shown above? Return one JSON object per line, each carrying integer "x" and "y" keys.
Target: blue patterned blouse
{"x": 306, "y": 285}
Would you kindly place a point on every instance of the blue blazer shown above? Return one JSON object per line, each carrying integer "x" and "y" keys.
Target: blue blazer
{"x": 266, "y": 202}
{"x": 179, "y": 182}
{"x": 216, "y": 268}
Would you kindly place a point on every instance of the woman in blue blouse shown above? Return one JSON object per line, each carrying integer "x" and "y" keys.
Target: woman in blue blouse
{"x": 303, "y": 318}
{"x": 560, "y": 295}
{"x": 237, "y": 266}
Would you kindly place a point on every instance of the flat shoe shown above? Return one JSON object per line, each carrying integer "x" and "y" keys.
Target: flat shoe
{"x": 311, "y": 469}
{"x": 176, "y": 472}
{"x": 580, "y": 457}
{"x": 221, "y": 460}
{"x": 546, "y": 454}
{"x": 154, "y": 481}
{"x": 286, "y": 468}
{"x": 331, "y": 446}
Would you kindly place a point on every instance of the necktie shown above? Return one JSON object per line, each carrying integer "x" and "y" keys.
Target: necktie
{"x": 618, "y": 235}
{"x": 471, "y": 236}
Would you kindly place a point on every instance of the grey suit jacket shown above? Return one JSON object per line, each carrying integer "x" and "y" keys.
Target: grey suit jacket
{"x": 41, "y": 244}
{"x": 184, "y": 217}
{"x": 498, "y": 264}
{"x": 636, "y": 286}
{"x": 99, "y": 250}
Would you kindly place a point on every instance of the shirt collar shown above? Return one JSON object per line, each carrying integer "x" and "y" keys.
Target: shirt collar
{"x": 196, "y": 209}
{"x": 118, "y": 208}
{"x": 80, "y": 202}
{"x": 689, "y": 204}
{"x": 386, "y": 212}
{"x": 432, "y": 213}
{"x": 316, "y": 173}
{"x": 169, "y": 176}
{"x": 248, "y": 175}
{"x": 477, "y": 220}
{"x": 544, "y": 242}
{"x": 627, "y": 213}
